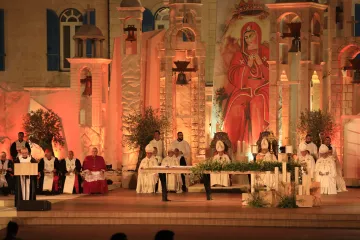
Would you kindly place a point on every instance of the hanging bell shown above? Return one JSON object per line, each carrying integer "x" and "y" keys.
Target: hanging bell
{"x": 131, "y": 29}
{"x": 181, "y": 79}
{"x": 295, "y": 45}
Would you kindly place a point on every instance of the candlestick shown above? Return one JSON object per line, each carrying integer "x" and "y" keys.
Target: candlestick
{"x": 243, "y": 147}
{"x": 289, "y": 149}
{"x": 296, "y": 174}
{"x": 276, "y": 173}
{"x": 238, "y": 148}
{"x": 300, "y": 189}
{"x": 284, "y": 172}
{"x": 254, "y": 149}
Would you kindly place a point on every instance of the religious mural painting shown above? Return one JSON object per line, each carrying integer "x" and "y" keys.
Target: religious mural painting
{"x": 241, "y": 83}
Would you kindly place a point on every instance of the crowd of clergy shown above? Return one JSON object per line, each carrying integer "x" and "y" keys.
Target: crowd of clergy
{"x": 322, "y": 165}
{"x": 69, "y": 176}
{"x": 54, "y": 176}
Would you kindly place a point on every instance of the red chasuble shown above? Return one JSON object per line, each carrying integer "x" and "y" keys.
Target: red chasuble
{"x": 94, "y": 182}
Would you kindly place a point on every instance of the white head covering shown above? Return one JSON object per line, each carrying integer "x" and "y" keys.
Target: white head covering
{"x": 264, "y": 144}
{"x": 302, "y": 147}
{"x": 149, "y": 148}
{"x": 323, "y": 149}
{"x": 220, "y": 146}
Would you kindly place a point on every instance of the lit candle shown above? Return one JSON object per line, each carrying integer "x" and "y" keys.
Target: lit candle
{"x": 243, "y": 147}
{"x": 296, "y": 174}
{"x": 276, "y": 175}
{"x": 238, "y": 148}
{"x": 284, "y": 172}
{"x": 254, "y": 149}
{"x": 289, "y": 149}
{"x": 300, "y": 190}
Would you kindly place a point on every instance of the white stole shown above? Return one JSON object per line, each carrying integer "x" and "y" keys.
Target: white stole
{"x": 4, "y": 167}
{"x": 48, "y": 174}
{"x": 70, "y": 177}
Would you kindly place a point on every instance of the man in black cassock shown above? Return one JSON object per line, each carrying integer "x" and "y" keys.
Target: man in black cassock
{"x": 50, "y": 170}
{"x": 71, "y": 166}
{"x": 25, "y": 186}
{"x": 18, "y": 145}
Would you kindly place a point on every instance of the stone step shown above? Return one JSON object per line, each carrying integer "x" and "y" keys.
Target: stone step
{"x": 192, "y": 221}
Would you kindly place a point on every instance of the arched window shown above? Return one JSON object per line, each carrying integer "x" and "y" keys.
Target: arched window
{"x": 162, "y": 18}
{"x": 148, "y": 21}
{"x": 70, "y": 20}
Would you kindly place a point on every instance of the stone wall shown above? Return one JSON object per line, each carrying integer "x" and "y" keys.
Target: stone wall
{"x": 26, "y": 41}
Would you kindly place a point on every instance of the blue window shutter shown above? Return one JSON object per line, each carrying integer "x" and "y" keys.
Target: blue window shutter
{"x": 357, "y": 18}
{"x": 2, "y": 40}
{"x": 53, "y": 40}
{"x": 148, "y": 21}
{"x": 92, "y": 22}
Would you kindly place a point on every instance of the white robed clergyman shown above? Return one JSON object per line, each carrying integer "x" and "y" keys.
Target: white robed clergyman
{"x": 4, "y": 167}
{"x": 311, "y": 147}
{"x": 265, "y": 156}
{"x": 221, "y": 179}
{"x": 156, "y": 156}
{"x": 173, "y": 180}
{"x": 183, "y": 146}
{"x": 147, "y": 181}
{"x": 307, "y": 160}
{"x": 158, "y": 143}
{"x": 340, "y": 182}
{"x": 325, "y": 171}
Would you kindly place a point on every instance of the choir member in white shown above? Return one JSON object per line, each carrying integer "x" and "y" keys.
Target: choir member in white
{"x": 220, "y": 178}
{"x": 147, "y": 181}
{"x": 265, "y": 156}
{"x": 173, "y": 180}
{"x": 325, "y": 171}
{"x": 340, "y": 182}
{"x": 183, "y": 146}
{"x": 311, "y": 147}
{"x": 305, "y": 159}
{"x": 158, "y": 143}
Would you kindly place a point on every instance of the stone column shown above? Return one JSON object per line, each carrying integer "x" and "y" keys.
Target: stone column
{"x": 84, "y": 48}
{"x": 96, "y": 99}
{"x": 98, "y": 48}
{"x": 285, "y": 114}
{"x": 273, "y": 97}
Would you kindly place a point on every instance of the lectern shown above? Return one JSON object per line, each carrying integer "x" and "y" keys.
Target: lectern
{"x": 29, "y": 169}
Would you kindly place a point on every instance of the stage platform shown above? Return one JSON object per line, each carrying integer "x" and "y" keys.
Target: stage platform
{"x": 123, "y": 206}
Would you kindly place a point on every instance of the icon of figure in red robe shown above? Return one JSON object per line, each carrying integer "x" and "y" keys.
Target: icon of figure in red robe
{"x": 94, "y": 168}
{"x": 247, "y": 109}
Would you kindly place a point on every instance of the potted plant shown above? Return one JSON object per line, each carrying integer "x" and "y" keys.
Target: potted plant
{"x": 43, "y": 128}
{"x": 140, "y": 128}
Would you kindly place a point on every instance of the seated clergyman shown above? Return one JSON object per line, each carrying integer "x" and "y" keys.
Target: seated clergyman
{"x": 94, "y": 168}
{"x": 6, "y": 175}
{"x": 72, "y": 174}
{"x": 50, "y": 171}
{"x": 221, "y": 179}
{"x": 147, "y": 181}
{"x": 173, "y": 180}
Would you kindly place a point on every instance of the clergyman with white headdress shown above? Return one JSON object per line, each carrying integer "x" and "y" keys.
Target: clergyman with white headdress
{"x": 173, "y": 180}
{"x": 325, "y": 171}
{"x": 220, "y": 178}
{"x": 146, "y": 181}
{"x": 306, "y": 160}
{"x": 265, "y": 155}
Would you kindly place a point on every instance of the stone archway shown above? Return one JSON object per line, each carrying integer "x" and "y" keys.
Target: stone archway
{"x": 351, "y": 159}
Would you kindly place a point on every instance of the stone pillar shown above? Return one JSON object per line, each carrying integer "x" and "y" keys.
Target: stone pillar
{"x": 273, "y": 97}
{"x": 285, "y": 114}
{"x": 96, "y": 97}
{"x": 97, "y": 47}
{"x": 131, "y": 84}
{"x": 84, "y": 42}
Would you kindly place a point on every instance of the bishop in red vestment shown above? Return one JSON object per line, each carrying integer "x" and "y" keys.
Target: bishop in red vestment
{"x": 94, "y": 168}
